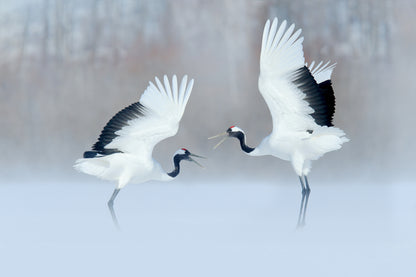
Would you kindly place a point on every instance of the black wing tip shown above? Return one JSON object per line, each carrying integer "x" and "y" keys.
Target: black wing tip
{"x": 90, "y": 154}
{"x": 105, "y": 152}
{"x": 329, "y": 95}
{"x": 320, "y": 97}
{"x": 117, "y": 122}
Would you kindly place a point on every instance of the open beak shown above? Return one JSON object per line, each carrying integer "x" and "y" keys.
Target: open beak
{"x": 219, "y": 135}
{"x": 196, "y": 156}
{"x": 224, "y": 135}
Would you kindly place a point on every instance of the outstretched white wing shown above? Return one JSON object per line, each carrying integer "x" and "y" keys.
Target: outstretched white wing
{"x": 140, "y": 126}
{"x": 320, "y": 72}
{"x": 295, "y": 100}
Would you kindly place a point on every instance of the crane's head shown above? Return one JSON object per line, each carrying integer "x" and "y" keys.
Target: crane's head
{"x": 233, "y": 131}
{"x": 184, "y": 154}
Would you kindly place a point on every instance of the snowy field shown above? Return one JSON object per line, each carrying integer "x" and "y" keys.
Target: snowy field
{"x": 221, "y": 229}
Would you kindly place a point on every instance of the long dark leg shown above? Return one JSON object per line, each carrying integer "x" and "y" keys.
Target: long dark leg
{"x": 305, "y": 207}
{"x": 307, "y": 192}
{"x": 302, "y": 184}
{"x": 111, "y": 208}
{"x": 300, "y": 218}
{"x": 307, "y": 183}
{"x": 302, "y": 202}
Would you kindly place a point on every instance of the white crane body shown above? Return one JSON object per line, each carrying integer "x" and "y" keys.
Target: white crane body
{"x": 300, "y": 99}
{"x": 123, "y": 152}
{"x": 124, "y": 168}
{"x": 301, "y": 102}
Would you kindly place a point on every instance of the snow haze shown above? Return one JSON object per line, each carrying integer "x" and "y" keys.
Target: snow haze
{"x": 207, "y": 229}
{"x": 66, "y": 67}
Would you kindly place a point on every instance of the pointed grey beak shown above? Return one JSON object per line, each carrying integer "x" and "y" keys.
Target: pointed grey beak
{"x": 197, "y": 156}
{"x": 224, "y": 135}
{"x": 219, "y": 135}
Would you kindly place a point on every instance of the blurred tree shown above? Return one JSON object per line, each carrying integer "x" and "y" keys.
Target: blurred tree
{"x": 67, "y": 66}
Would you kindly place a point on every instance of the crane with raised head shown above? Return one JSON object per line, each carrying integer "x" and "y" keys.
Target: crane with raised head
{"x": 301, "y": 102}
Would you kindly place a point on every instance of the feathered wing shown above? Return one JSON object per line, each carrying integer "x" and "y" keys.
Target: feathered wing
{"x": 321, "y": 72}
{"x": 139, "y": 127}
{"x": 295, "y": 100}
{"x": 325, "y": 101}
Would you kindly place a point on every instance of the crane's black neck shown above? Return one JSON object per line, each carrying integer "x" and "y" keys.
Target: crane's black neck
{"x": 242, "y": 138}
{"x": 176, "y": 161}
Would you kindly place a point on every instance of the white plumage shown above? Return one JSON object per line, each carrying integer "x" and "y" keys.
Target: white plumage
{"x": 123, "y": 152}
{"x": 321, "y": 72}
{"x": 163, "y": 109}
{"x": 281, "y": 57}
{"x": 300, "y": 99}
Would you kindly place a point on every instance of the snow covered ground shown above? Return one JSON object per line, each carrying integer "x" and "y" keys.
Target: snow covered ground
{"x": 211, "y": 229}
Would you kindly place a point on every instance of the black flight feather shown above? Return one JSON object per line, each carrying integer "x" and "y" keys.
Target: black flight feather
{"x": 115, "y": 124}
{"x": 320, "y": 97}
{"x": 328, "y": 92}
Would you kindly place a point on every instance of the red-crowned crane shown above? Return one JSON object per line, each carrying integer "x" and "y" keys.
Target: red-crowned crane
{"x": 123, "y": 152}
{"x": 301, "y": 102}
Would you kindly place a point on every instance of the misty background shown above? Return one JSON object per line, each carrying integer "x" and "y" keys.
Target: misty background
{"x": 66, "y": 67}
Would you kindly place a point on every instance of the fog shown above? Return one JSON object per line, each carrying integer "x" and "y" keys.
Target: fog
{"x": 66, "y": 67}
{"x": 207, "y": 229}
